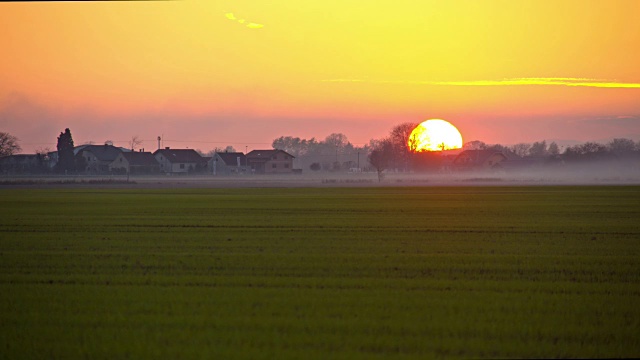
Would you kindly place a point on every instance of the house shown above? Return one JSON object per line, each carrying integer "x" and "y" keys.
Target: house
{"x": 227, "y": 163}
{"x": 479, "y": 160}
{"x": 270, "y": 161}
{"x": 141, "y": 162}
{"x": 97, "y": 158}
{"x": 23, "y": 163}
{"x": 180, "y": 161}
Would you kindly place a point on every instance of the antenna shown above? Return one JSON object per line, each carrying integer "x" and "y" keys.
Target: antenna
{"x": 159, "y": 138}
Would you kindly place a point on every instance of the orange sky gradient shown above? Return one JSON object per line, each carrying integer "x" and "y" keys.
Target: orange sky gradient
{"x": 500, "y": 71}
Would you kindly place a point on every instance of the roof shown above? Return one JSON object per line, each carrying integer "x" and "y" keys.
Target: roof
{"x": 16, "y": 158}
{"x": 103, "y": 152}
{"x": 140, "y": 158}
{"x": 180, "y": 155}
{"x": 265, "y": 154}
{"x": 231, "y": 158}
{"x": 476, "y": 157}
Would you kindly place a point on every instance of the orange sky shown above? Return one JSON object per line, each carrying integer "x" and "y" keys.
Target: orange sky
{"x": 191, "y": 71}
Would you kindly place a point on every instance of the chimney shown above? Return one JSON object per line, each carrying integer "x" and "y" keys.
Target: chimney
{"x": 159, "y": 138}
{"x": 166, "y": 148}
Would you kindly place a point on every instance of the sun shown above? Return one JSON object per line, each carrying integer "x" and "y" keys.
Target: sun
{"x": 434, "y": 135}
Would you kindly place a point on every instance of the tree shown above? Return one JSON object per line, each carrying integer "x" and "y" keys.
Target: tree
{"x": 553, "y": 149}
{"x": 538, "y": 149}
{"x": 65, "y": 152}
{"x": 8, "y": 144}
{"x": 622, "y": 147}
{"x": 399, "y": 139}
{"x": 381, "y": 157}
{"x": 521, "y": 149}
{"x": 134, "y": 142}
{"x": 474, "y": 145}
{"x": 315, "y": 166}
{"x": 336, "y": 140}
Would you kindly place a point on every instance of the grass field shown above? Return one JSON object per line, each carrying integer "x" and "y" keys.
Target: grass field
{"x": 318, "y": 273}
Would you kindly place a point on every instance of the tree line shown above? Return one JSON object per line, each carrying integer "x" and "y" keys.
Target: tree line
{"x": 336, "y": 153}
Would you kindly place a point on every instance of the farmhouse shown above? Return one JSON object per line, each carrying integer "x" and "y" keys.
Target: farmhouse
{"x": 227, "y": 163}
{"x": 479, "y": 160}
{"x": 177, "y": 161}
{"x": 97, "y": 158}
{"x": 142, "y": 162}
{"x": 270, "y": 161}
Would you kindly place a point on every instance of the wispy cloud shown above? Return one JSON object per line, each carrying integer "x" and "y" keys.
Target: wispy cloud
{"x": 250, "y": 25}
{"x": 580, "y": 82}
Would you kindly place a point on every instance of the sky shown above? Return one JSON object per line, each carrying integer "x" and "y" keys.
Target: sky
{"x": 205, "y": 74}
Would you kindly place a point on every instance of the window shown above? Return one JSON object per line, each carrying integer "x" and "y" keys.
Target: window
{"x": 274, "y": 165}
{"x": 181, "y": 166}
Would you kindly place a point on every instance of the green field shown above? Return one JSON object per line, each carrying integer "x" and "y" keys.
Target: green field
{"x": 338, "y": 273}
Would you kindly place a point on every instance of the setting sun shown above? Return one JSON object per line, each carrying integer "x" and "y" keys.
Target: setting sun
{"x": 434, "y": 135}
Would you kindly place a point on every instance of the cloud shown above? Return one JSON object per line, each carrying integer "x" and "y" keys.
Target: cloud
{"x": 250, "y": 25}
{"x": 577, "y": 82}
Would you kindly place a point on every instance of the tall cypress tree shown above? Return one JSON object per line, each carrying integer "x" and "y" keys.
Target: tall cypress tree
{"x": 65, "y": 152}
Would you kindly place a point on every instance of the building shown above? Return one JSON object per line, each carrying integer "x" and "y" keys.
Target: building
{"x": 180, "y": 161}
{"x": 23, "y": 164}
{"x": 141, "y": 162}
{"x": 228, "y": 163}
{"x": 270, "y": 161}
{"x": 97, "y": 158}
{"x": 479, "y": 160}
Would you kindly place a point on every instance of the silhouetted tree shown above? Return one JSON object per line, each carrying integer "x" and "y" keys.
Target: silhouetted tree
{"x": 553, "y": 149}
{"x": 474, "y": 145}
{"x": 521, "y": 149}
{"x": 538, "y": 149}
{"x": 586, "y": 152}
{"x": 135, "y": 142}
{"x": 65, "y": 152}
{"x": 399, "y": 140}
{"x": 381, "y": 157}
{"x": 8, "y": 144}
{"x": 622, "y": 147}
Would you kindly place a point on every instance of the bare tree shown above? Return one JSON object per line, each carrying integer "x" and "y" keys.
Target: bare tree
{"x": 402, "y": 145}
{"x": 622, "y": 147}
{"x": 538, "y": 149}
{"x": 134, "y": 142}
{"x": 8, "y": 144}
{"x": 521, "y": 149}
{"x": 381, "y": 157}
{"x": 43, "y": 150}
{"x": 475, "y": 145}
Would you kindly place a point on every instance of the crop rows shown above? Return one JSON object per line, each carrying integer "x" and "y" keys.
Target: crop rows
{"x": 330, "y": 272}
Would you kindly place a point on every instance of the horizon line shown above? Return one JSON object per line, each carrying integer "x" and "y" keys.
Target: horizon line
{"x": 540, "y": 81}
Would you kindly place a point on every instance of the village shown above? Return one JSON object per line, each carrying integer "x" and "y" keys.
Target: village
{"x": 334, "y": 154}
{"x": 109, "y": 159}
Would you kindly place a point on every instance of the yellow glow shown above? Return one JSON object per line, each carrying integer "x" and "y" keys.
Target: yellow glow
{"x": 434, "y": 135}
{"x": 506, "y": 82}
